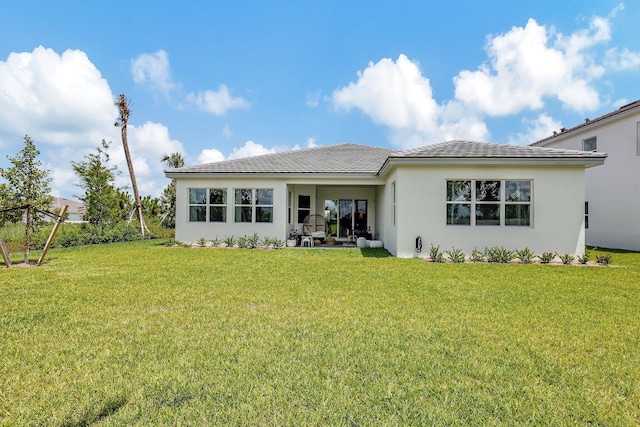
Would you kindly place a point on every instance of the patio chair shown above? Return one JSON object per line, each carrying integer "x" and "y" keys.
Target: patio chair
{"x": 315, "y": 226}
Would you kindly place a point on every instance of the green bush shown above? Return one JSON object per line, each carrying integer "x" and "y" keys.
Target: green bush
{"x": 584, "y": 258}
{"x": 476, "y": 255}
{"x": 456, "y": 255}
{"x": 435, "y": 254}
{"x": 566, "y": 258}
{"x": 525, "y": 255}
{"x": 604, "y": 259}
{"x": 546, "y": 257}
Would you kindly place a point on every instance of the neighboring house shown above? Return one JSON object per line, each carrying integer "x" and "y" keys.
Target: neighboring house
{"x": 612, "y": 206}
{"x": 74, "y": 213}
{"x": 455, "y": 194}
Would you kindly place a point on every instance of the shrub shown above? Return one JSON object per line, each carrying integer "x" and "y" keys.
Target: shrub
{"x": 202, "y": 241}
{"x": 456, "y": 255}
{"x": 604, "y": 259}
{"x": 435, "y": 254}
{"x": 476, "y": 255}
{"x": 525, "y": 255}
{"x": 584, "y": 258}
{"x": 546, "y": 257}
{"x": 566, "y": 258}
{"x": 230, "y": 241}
{"x": 499, "y": 254}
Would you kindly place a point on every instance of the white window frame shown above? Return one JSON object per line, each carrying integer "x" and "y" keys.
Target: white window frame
{"x": 471, "y": 202}
{"x": 253, "y": 205}
{"x": 206, "y": 204}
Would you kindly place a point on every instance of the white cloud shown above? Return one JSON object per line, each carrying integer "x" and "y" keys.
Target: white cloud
{"x": 313, "y": 98}
{"x": 249, "y": 149}
{"x": 536, "y": 129}
{"x": 210, "y": 155}
{"x": 622, "y": 60}
{"x": 153, "y": 69}
{"x": 60, "y": 99}
{"x": 398, "y": 96}
{"x": 226, "y": 131}
{"x": 217, "y": 103}
{"x": 528, "y": 64}
{"x": 311, "y": 143}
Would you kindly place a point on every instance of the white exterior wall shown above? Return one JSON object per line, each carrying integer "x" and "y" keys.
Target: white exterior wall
{"x": 386, "y": 229}
{"x": 613, "y": 189}
{"x": 190, "y": 232}
{"x": 557, "y": 210}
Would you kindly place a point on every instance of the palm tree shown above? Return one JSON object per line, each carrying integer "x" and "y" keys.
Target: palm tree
{"x": 168, "y": 199}
{"x": 123, "y": 107}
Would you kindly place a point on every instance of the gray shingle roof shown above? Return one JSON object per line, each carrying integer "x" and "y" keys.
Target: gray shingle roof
{"x": 471, "y": 149}
{"x": 355, "y": 159}
{"x": 340, "y": 158}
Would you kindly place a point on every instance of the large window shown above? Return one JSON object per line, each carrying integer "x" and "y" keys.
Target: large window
{"x": 253, "y": 205}
{"x": 489, "y": 203}
{"x": 590, "y": 144}
{"x": 207, "y": 204}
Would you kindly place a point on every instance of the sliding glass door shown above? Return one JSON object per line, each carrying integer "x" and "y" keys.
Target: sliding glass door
{"x": 346, "y": 215}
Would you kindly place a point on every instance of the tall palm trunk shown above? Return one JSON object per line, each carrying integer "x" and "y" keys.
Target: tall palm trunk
{"x": 124, "y": 118}
{"x": 27, "y": 234}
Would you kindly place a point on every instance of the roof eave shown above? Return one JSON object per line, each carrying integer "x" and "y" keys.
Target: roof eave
{"x": 274, "y": 175}
{"x": 516, "y": 161}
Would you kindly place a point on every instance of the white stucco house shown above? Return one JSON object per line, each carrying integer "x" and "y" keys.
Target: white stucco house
{"x": 612, "y": 204}
{"x": 453, "y": 194}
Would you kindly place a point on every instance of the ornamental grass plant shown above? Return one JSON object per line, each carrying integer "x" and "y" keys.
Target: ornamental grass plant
{"x": 145, "y": 334}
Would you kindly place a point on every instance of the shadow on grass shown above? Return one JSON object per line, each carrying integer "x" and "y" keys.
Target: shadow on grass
{"x": 613, "y": 251}
{"x": 375, "y": 253}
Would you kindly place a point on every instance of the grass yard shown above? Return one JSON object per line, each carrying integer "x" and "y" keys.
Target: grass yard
{"x": 142, "y": 334}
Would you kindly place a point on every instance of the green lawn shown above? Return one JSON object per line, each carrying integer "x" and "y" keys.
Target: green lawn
{"x": 142, "y": 334}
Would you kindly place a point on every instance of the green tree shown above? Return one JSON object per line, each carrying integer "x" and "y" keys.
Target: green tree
{"x": 27, "y": 190}
{"x": 168, "y": 198}
{"x": 101, "y": 196}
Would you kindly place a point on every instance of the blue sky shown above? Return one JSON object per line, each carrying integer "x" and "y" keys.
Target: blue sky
{"x": 217, "y": 80}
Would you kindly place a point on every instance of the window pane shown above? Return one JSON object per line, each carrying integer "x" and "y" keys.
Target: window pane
{"x": 197, "y": 196}
{"x": 218, "y": 214}
{"x": 304, "y": 202}
{"x": 264, "y": 197}
{"x": 517, "y": 215}
{"x": 589, "y": 144}
{"x": 243, "y": 196}
{"x": 488, "y": 214}
{"x": 488, "y": 191}
{"x": 243, "y": 214}
{"x": 264, "y": 214}
{"x": 302, "y": 214}
{"x": 217, "y": 196}
{"x": 458, "y": 214}
{"x": 458, "y": 191}
{"x": 517, "y": 191}
{"x": 197, "y": 213}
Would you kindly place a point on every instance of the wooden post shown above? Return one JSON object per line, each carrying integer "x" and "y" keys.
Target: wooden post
{"x": 5, "y": 254}
{"x": 53, "y": 233}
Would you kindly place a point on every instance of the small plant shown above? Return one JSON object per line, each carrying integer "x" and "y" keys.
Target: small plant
{"x": 242, "y": 242}
{"x": 277, "y": 243}
{"x": 476, "y": 255}
{"x": 604, "y": 259}
{"x": 230, "y": 241}
{"x": 546, "y": 257}
{"x": 566, "y": 258}
{"x": 456, "y": 255}
{"x": 202, "y": 241}
{"x": 584, "y": 258}
{"x": 216, "y": 242}
{"x": 499, "y": 254}
{"x": 435, "y": 254}
{"x": 253, "y": 240}
{"x": 525, "y": 255}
